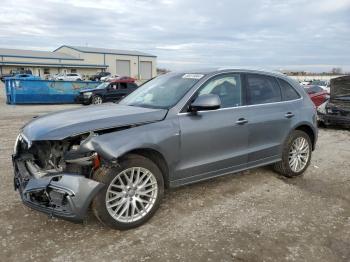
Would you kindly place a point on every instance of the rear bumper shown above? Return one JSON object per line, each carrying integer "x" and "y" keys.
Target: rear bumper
{"x": 63, "y": 195}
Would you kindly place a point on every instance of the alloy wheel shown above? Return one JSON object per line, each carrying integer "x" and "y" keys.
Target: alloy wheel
{"x": 299, "y": 154}
{"x": 131, "y": 194}
{"x": 97, "y": 100}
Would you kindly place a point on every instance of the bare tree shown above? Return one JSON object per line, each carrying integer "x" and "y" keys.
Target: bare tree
{"x": 337, "y": 70}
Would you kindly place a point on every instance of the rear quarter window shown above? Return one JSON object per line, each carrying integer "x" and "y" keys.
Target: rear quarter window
{"x": 289, "y": 93}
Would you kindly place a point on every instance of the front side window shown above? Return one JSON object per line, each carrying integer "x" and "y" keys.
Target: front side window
{"x": 113, "y": 86}
{"x": 262, "y": 89}
{"x": 288, "y": 91}
{"x": 227, "y": 87}
{"x": 164, "y": 91}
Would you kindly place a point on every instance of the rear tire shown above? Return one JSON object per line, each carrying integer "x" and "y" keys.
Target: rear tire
{"x": 296, "y": 155}
{"x": 124, "y": 203}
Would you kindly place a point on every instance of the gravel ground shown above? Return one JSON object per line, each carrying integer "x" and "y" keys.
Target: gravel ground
{"x": 251, "y": 216}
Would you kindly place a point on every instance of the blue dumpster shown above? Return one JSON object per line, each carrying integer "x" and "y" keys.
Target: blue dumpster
{"x": 31, "y": 91}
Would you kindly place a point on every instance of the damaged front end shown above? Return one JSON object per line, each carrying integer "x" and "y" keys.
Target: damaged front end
{"x": 55, "y": 176}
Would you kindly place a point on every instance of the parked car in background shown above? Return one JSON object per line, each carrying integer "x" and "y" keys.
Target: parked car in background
{"x": 15, "y": 72}
{"x": 109, "y": 78}
{"x": 317, "y": 94}
{"x": 304, "y": 83}
{"x": 106, "y": 92}
{"x": 336, "y": 110}
{"x": 126, "y": 79}
{"x": 97, "y": 77}
{"x": 26, "y": 77}
{"x": 176, "y": 129}
{"x": 69, "y": 77}
{"x": 323, "y": 84}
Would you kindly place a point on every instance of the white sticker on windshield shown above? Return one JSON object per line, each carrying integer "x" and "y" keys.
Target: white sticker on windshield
{"x": 193, "y": 76}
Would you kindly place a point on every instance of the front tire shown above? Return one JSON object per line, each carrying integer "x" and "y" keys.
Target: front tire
{"x": 96, "y": 100}
{"x": 132, "y": 194}
{"x": 296, "y": 155}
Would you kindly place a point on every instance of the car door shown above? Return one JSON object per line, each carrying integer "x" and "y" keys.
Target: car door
{"x": 124, "y": 90}
{"x": 269, "y": 118}
{"x": 112, "y": 92}
{"x": 214, "y": 142}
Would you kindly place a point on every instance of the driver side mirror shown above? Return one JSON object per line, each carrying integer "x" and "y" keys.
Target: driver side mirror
{"x": 206, "y": 102}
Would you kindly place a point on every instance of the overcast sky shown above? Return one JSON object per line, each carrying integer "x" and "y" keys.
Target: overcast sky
{"x": 311, "y": 35}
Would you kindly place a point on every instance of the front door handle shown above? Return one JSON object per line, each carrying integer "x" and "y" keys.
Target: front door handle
{"x": 289, "y": 115}
{"x": 241, "y": 121}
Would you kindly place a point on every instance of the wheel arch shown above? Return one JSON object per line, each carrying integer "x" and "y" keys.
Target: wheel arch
{"x": 309, "y": 131}
{"x": 156, "y": 157}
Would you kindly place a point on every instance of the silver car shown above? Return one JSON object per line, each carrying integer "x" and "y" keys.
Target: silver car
{"x": 176, "y": 129}
{"x": 69, "y": 77}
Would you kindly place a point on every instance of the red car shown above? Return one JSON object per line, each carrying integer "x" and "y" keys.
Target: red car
{"x": 125, "y": 79}
{"x": 317, "y": 94}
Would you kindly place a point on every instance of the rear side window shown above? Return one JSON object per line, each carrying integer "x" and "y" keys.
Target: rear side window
{"x": 262, "y": 89}
{"x": 288, "y": 91}
{"x": 123, "y": 86}
{"x": 130, "y": 85}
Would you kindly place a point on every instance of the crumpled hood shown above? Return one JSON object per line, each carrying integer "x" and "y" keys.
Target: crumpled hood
{"x": 340, "y": 87}
{"x": 89, "y": 90}
{"x": 62, "y": 124}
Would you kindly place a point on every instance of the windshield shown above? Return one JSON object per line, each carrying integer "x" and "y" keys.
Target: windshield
{"x": 103, "y": 85}
{"x": 164, "y": 91}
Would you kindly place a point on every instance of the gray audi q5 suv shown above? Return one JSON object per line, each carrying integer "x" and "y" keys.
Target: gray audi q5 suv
{"x": 176, "y": 129}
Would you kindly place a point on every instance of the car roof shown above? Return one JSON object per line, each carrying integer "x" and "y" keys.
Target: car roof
{"x": 122, "y": 81}
{"x": 209, "y": 71}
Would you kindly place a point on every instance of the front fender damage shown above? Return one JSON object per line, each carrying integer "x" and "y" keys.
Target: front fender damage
{"x": 162, "y": 137}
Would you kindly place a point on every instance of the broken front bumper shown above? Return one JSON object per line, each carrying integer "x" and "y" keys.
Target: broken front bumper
{"x": 61, "y": 195}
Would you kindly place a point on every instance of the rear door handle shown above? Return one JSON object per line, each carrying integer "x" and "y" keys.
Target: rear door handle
{"x": 241, "y": 121}
{"x": 289, "y": 115}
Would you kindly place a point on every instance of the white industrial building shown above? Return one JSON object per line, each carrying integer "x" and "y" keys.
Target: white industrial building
{"x": 78, "y": 59}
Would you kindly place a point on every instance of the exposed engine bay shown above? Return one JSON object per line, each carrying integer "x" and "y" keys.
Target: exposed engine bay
{"x": 50, "y": 157}
{"x": 55, "y": 176}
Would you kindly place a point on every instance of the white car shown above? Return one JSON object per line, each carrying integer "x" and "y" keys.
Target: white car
{"x": 306, "y": 83}
{"x": 109, "y": 78}
{"x": 69, "y": 77}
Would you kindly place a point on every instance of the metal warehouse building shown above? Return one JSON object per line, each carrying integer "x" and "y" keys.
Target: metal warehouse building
{"x": 84, "y": 60}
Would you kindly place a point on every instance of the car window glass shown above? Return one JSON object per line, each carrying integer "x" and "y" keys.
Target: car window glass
{"x": 123, "y": 86}
{"x": 262, "y": 89}
{"x": 227, "y": 87}
{"x": 288, "y": 91}
{"x": 114, "y": 86}
{"x": 317, "y": 89}
{"x": 130, "y": 85}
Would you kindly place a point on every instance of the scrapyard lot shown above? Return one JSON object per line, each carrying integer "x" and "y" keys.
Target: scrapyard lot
{"x": 251, "y": 216}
